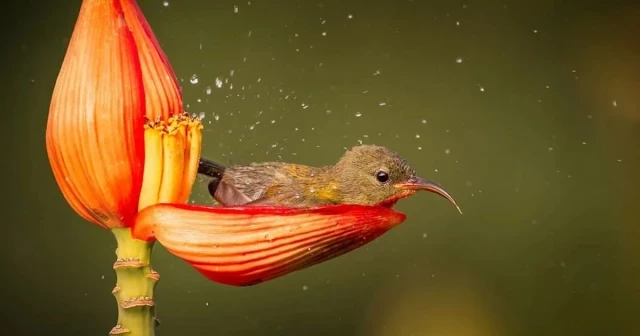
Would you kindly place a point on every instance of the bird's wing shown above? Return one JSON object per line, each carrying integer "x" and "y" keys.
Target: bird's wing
{"x": 281, "y": 197}
{"x": 226, "y": 194}
{"x": 255, "y": 184}
{"x": 240, "y": 185}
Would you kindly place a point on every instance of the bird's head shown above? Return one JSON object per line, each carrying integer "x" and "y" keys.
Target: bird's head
{"x": 374, "y": 175}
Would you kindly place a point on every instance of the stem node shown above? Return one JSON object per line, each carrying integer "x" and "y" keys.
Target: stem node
{"x": 118, "y": 330}
{"x": 134, "y": 287}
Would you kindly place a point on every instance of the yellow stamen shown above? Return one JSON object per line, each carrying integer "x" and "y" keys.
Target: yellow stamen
{"x": 172, "y": 153}
{"x": 192, "y": 156}
{"x": 152, "y": 175}
{"x": 173, "y": 165}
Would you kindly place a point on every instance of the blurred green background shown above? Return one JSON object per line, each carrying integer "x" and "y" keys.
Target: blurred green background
{"x": 528, "y": 112}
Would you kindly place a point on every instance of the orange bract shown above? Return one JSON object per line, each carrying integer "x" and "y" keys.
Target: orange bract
{"x": 94, "y": 132}
{"x": 163, "y": 94}
{"x": 114, "y": 76}
{"x": 243, "y": 246}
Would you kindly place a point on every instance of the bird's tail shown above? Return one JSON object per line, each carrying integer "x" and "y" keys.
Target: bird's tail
{"x": 210, "y": 168}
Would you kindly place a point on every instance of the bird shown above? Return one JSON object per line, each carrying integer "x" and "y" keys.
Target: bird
{"x": 364, "y": 175}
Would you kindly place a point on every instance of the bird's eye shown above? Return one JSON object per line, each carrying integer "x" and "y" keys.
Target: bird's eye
{"x": 382, "y": 176}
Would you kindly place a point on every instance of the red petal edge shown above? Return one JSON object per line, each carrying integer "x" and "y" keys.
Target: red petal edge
{"x": 243, "y": 246}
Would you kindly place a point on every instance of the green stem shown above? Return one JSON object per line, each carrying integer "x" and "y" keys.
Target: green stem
{"x": 134, "y": 288}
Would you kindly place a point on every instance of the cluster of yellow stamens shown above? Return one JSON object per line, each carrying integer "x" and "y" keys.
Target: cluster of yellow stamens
{"x": 172, "y": 151}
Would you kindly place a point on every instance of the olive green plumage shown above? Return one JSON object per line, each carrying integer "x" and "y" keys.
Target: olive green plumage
{"x": 366, "y": 175}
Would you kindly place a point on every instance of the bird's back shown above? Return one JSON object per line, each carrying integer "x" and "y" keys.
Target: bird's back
{"x": 255, "y": 179}
{"x": 270, "y": 183}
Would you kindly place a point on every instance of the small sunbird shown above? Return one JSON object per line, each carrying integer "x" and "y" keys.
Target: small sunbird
{"x": 365, "y": 175}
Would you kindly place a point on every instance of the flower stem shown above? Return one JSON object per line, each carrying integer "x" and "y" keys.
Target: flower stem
{"x": 134, "y": 288}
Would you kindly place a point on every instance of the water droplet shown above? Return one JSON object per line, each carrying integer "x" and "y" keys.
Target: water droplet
{"x": 535, "y": 31}
{"x": 376, "y": 73}
{"x": 459, "y": 60}
{"x": 350, "y": 16}
{"x": 424, "y": 235}
{"x": 305, "y": 287}
{"x": 424, "y": 121}
{"x": 235, "y": 9}
{"x": 216, "y": 117}
{"x": 457, "y": 23}
{"x": 324, "y": 33}
{"x": 218, "y": 82}
{"x": 382, "y": 104}
{"x": 206, "y": 304}
{"x": 447, "y": 151}
{"x": 165, "y": 3}
{"x": 614, "y": 103}
{"x": 482, "y": 89}
{"x": 419, "y": 148}
{"x": 550, "y": 149}
{"x": 358, "y": 114}
{"x": 194, "y": 79}
{"x": 207, "y": 90}
{"x": 417, "y": 136}
{"x": 201, "y": 115}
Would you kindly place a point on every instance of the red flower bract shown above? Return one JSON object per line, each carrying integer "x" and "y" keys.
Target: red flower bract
{"x": 114, "y": 75}
{"x": 243, "y": 246}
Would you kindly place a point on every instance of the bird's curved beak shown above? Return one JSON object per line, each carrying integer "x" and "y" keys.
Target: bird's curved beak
{"x": 416, "y": 183}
